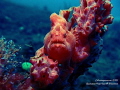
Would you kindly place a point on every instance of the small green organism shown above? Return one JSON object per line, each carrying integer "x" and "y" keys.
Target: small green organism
{"x": 26, "y": 66}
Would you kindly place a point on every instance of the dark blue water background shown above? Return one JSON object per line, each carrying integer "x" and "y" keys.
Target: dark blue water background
{"x": 56, "y": 5}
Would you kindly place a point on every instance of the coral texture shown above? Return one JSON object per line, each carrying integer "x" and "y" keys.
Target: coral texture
{"x": 44, "y": 71}
{"x": 8, "y": 52}
{"x": 72, "y": 44}
{"x": 11, "y": 76}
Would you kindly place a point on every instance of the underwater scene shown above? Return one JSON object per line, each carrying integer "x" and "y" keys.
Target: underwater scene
{"x": 59, "y": 45}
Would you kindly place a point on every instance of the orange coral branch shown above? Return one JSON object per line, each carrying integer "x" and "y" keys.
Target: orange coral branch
{"x": 69, "y": 44}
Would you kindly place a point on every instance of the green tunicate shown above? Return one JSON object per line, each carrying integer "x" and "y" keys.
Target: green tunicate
{"x": 26, "y": 65}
